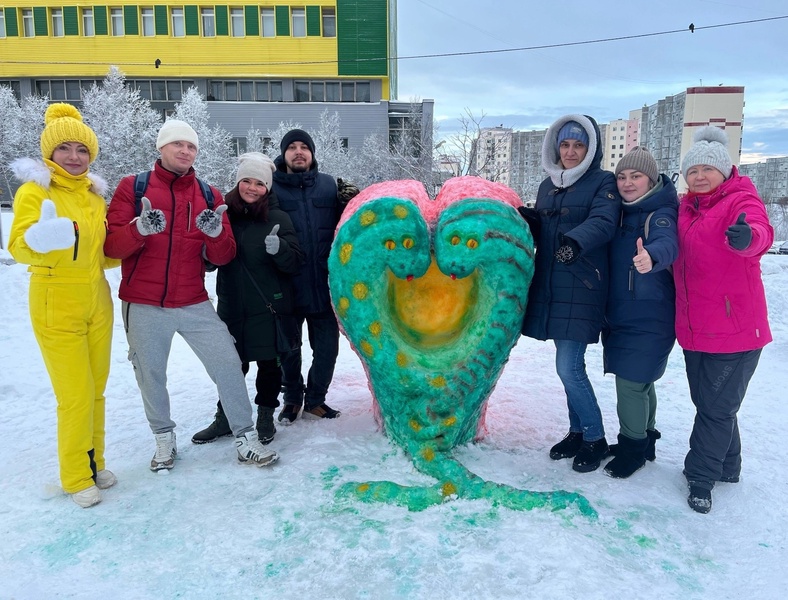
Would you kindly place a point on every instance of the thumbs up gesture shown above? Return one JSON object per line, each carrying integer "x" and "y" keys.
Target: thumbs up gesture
{"x": 210, "y": 221}
{"x": 272, "y": 240}
{"x": 642, "y": 259}
{"x": 151, "y": 220}
{"x": 51, "y": 232}
{"x": 740, "y": 233}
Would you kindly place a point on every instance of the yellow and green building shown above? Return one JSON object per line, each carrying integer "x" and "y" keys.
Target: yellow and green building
{"x": 258, "y": 63}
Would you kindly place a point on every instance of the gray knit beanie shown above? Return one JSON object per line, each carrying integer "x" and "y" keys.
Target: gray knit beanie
{"x": 255, "y": 165}
{"x": 710, "y": 148}
{"x": 641, "y": 160}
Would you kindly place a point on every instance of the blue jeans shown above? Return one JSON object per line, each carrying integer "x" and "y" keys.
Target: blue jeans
{"x": 324, "y": 340}
{"x": 584, "y": 413}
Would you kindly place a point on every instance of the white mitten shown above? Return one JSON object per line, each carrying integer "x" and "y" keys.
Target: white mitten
{"x": 150, "y": 221}
{"x": 272, "y": 240}
{"x": 210, "y": 222}
{"x": 51, "y": 232}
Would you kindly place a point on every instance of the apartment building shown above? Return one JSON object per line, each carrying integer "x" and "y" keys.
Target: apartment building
{"x": 257, "y": 63}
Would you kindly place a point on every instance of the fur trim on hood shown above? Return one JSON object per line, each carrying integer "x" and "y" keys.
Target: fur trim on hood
{"x": 36, "y": 171}
{"x": 551, "y": 160}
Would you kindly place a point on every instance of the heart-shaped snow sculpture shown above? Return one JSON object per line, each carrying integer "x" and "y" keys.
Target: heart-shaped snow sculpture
{"x": 431, "y": 295}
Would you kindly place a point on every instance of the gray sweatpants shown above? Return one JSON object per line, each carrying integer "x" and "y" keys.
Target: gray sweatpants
{"x": 150, "y": 330}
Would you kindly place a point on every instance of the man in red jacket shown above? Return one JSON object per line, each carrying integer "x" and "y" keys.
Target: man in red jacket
{"x": 162, "y": 245}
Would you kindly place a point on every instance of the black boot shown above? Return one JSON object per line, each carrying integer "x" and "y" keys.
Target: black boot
{"x": 568, "y": 446}
{"x": 219, "y": 428}
{"x": 699, "y": 498}
{"x": 590, "y": 455}
{"x": 630, "y": 456}
{"x": 651, "y": 454}
{"x": 265, "y": 424}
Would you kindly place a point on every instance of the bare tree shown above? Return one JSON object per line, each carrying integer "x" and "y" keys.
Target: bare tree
{"x": 470, "y": 151}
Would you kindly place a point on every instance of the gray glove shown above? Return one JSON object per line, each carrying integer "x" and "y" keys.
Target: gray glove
{"x": 210, "y": 221}
{"x": 51, "y": 232}
{"x": 272, "y": 240}
{"x": 151, "y": 220}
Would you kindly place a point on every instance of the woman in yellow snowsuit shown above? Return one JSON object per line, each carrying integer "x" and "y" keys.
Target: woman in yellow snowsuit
{"x": 59, "y": 229}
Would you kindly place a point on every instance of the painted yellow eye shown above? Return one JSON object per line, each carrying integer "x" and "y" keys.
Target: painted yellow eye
{"x": 455, "y": 240}
{"x": 472, "y": 244}
{"x": 408, "y": 243}
{"x": 390, "y": 244}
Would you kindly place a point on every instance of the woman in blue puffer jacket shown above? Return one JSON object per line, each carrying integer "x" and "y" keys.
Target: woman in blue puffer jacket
{"x": 577, "y": 210}
{"x": 639, "y": 330}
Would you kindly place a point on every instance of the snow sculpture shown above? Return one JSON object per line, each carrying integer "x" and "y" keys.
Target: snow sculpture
{"x": 431, "y": 295}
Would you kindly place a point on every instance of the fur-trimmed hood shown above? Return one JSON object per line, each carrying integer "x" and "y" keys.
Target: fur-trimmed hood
{"x": 37, "y": 171}
{"x": 551, "y": 160}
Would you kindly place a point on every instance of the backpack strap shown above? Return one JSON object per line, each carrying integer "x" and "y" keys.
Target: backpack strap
{"x": 141, "y": 184}
{"x": 645, "y": 227}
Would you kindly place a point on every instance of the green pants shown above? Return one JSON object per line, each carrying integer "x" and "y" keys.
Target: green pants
{"x": 637, "y": 408}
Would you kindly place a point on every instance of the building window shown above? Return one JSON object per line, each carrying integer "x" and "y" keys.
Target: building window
{"x": 208, "y": 22}
{"x": 267, "y": 22}
{"x": 64, "y": 89}
{"x": 298, "y": 16}
{"x": 148, "y": 25}
{"x": 2, "y": 27}
{"x": 160, "y": 90}
{"x": 9, "y": 83}
{"x": 245, "y": 91}
{"x": 237, "y": 22}
{"x": 238, "y": 146}
{"x": 329, "y": 22}
{"x": 116, "y": 21}
{"x": 57, "y": 22}
{"x": 333, "y": 91}
{"x": 178, "y": 26}
{"x": 28, "y": 29}
{"x": 88, "y": 28}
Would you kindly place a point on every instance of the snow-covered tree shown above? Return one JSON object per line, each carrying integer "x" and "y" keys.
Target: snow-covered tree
{"x": 20, "y": 133}
{"x": 215, "y": 162}
{"x": 126, "y": 127}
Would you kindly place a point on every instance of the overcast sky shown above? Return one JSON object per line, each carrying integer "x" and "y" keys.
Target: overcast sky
{"x": 529, "y": 89}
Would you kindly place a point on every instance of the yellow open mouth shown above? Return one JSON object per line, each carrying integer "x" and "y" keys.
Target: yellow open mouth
{"x": 434, "y": 309}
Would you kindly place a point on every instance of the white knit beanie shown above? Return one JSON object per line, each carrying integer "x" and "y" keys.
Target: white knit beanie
{"x": 710, "y": 148}
{"x": 175, "y": 130}
{"x": 255, "y": 165}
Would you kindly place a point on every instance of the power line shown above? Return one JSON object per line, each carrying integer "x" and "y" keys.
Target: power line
{"x": 692, "y": 29}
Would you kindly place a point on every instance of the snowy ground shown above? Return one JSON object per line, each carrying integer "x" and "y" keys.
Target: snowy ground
{"x": 214, "y": 529}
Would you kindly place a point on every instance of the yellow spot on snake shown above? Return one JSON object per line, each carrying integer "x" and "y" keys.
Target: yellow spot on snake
{"x": 342, "y": 306}
{"x": 448, "y": 489}
{"x": 455, "y": 240}
{"x": 390, "y": 244}
{"x": 449, "y": 421}
{"x": 375, "y": 328}
{"x": 408, "y": 243}
{"x": 345, "y": 252}
{"x": 367, "y": 218}
{"x": 414, "y": 425}
{"x": 472, "y": 244}
{"x": 428, "y": 454}
{"x": 360, "y": 291}
{"x": 366, "y": 348}
{"x": 438, "y": 382}
{"x": 364, "y": 487}
{"x": 400, "y": 211}
{"x": 402, "y": 360}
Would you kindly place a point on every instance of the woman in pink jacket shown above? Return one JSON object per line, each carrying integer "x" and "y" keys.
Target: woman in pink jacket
{"x": 721, "y": 319}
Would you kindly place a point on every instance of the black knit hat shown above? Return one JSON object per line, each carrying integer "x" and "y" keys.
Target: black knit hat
{"x": 296, "y": 135}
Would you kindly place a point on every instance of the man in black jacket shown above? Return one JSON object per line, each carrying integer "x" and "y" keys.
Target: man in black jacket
{"x": 314, "y": 202}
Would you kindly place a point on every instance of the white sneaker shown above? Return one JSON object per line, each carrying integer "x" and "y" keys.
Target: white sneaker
{"x": 87, "y": 497}
{"x": 252, "y": 452}
{"x": 105, "y": 479}
{"x": 166, "y": 450}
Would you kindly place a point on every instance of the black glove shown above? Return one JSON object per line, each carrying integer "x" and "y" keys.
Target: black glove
{"x": 531, "y": 217}
{"x": 568, "y": 252}
{"x": 740, "y": 233}
{"x": 346, "y": 191}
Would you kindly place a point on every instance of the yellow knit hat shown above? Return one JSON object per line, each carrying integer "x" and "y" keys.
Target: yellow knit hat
{"x": 63, "y": 123}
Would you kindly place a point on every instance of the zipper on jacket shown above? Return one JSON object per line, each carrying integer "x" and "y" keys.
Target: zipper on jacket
{"x": 189, "y": 217}
{"x": 632, "y": 280}
{"x": 727, "y": 307}
{"x": 76, "y": 239}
